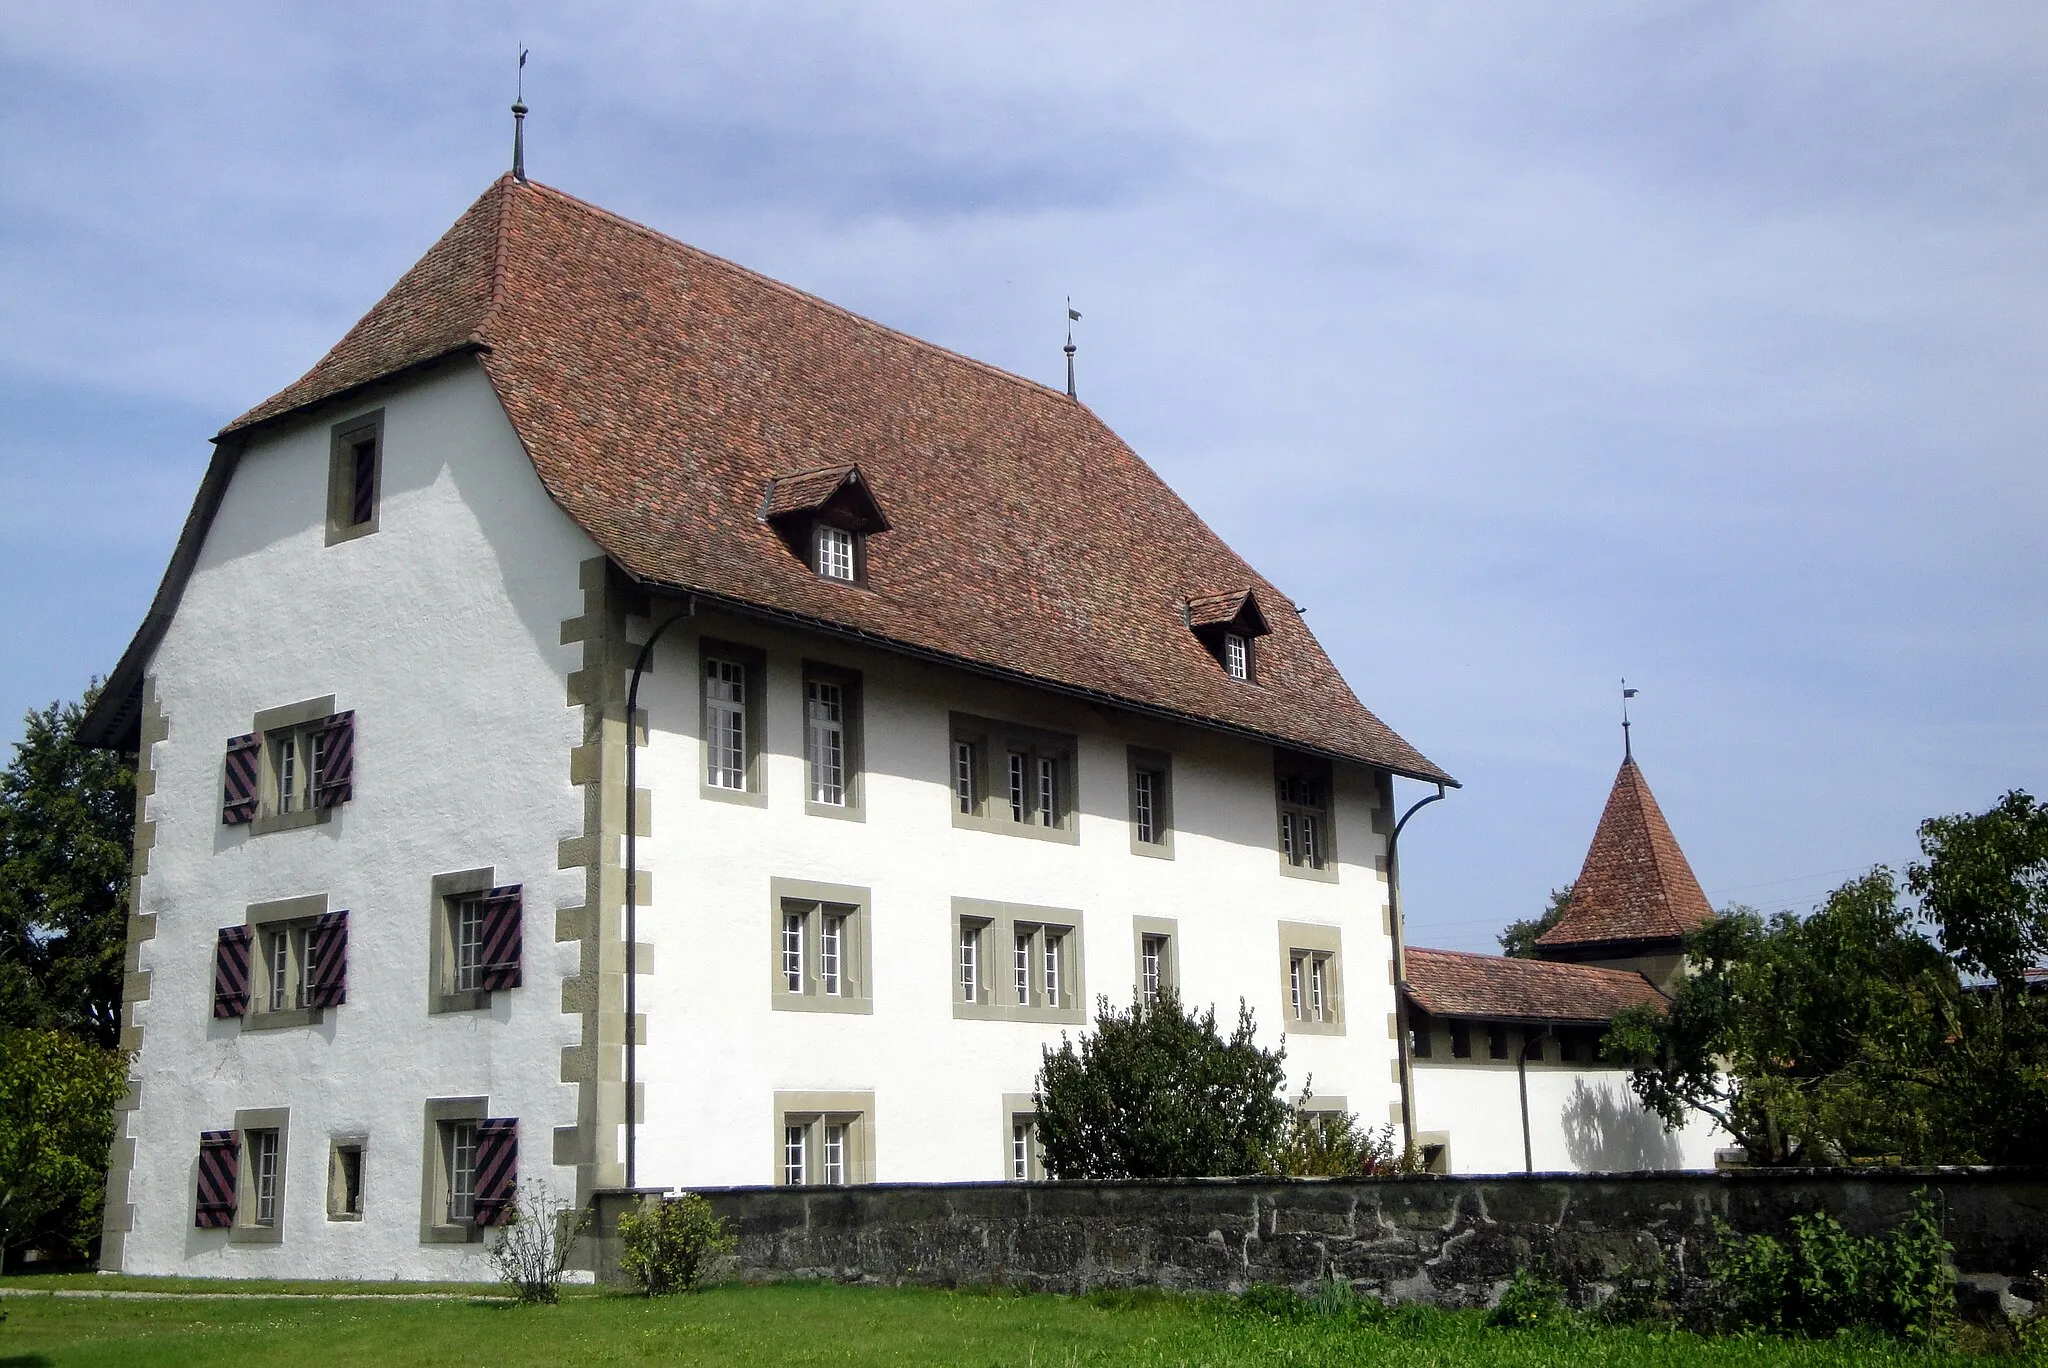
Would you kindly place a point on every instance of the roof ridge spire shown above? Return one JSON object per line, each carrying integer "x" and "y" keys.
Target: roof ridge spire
{"x": 519, "y": 124}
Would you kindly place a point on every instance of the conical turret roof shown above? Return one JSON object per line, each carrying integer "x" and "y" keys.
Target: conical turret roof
{"x": 1636, "y": 884}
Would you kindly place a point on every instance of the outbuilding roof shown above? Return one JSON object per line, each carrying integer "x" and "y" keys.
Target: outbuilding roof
{"x": 658, "y": 389}
{"x": 1636, "y": 884}
{"x": 1453, "y": 983}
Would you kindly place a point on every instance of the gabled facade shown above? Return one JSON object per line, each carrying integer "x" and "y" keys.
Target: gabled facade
{"x": 936, "y": 737}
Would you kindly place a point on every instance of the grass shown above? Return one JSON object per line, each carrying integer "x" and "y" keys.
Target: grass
{"x": 810, "y": 1323}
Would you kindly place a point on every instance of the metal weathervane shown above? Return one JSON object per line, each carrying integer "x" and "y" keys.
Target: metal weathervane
{"x": 1073, "y": 317}
{"x": 1626, "y": 694}
{"x": 519, "y": 123}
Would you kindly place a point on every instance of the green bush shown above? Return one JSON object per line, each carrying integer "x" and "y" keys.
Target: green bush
{"x": 1821, "y": 1280}
{"x": 1529, "y": 1301}
{"x": 671, "y": 1246}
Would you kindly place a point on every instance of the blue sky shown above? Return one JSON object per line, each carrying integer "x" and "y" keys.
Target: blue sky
{"x": 1526, "y": 346}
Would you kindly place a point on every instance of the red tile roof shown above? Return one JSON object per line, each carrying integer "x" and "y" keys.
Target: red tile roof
{"x": 1451, "y": 983}
{"x": 1239, "y": 608}
{"x": 658, "y": 389}
{"x": 1636, "y": 884}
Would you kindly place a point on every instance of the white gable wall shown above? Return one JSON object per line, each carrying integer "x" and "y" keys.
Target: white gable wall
{"x": 440, "y": 630}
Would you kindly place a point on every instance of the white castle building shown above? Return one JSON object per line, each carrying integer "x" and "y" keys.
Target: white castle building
{"x": 948, "y": 717}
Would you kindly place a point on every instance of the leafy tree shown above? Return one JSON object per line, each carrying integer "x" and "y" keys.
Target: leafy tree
{"x": 1850, "y": 1033}
{"x": 1157, "y": 1092}
{"x": 1519, "y": 940}
{"x": 67, "y": 817}
{"x": 57, "y": 1096}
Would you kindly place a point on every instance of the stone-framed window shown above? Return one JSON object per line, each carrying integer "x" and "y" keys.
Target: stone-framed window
{"x": 832, "y": 742}
{"x": 475, "y": 939}
{"x": 819, "y": 958}
{"x": 1155, "y": 951}
{"x": 1312, "y": 978}
{"x": 1022, "y": 1161}
{"x": 1303, "y": 809}
{"x": 824, "y": 1139}
{"x": 448, "y": 1170}
{"x": 1150, "y": 787}
{"x": 347, "y": 1157}
{"x": 1018, "y": 962}
{"x": 1012, "y": 779}
{"x": 286, "y": 938}
{"x": 355, "y": 477}
{"x": 732, "y": 682}
{"x": 293, "y": 768}
{"x": 259, "y": 1207}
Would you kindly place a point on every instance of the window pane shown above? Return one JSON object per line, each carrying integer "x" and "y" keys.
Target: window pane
{"x": 461, "y": 1171}
{"x": 793, "y": 1138}
{"x": 1020, "y": 968}
{"x": 835, "y": 1156}
{"x": 1150, "y": 966}
{"x": 264, "y": 1142}
{"x": 725, "y": 687}
{"x": 1315, "y": 984}
{"x": 831, "y": 942}
{"x": 825, "y": 741}
{"x": 1018, "y": 806}
{"x": 793, "y": 951}
{"x": 1235, "y": 656}
{"x": 287, "y": 773}
{"x": 1048, "y": 793}
{"x": 1294, "y": 985}
{"x": 835, "y": 553}
{"x": 1055, "y": 949}
{"x": 1148, "y": 823}
{"x": 351, "y": 1181}
{"x": 469, "y": 938}
{"x": 1020, "y": 1151}
{"x": 963, "y": 775}
{"x": 280, "y": 965}
{"x": 308, "y": 968}
{"x": 970, "y": 964}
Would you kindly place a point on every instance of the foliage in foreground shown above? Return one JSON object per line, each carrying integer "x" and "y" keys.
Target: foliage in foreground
{"x": 57, "y": 1096}
{"x": 1155, "y": 1091}
{"x": 1332, "y": 1144}
{"x": 670, "y": 1246}
{"x": 1854, "y": 1033}
{"x": 531, "y": 1246}
{"x": 1518, "y": 938}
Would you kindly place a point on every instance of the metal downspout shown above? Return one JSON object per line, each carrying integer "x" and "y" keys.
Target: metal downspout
{"x": 1407, "y": 1066}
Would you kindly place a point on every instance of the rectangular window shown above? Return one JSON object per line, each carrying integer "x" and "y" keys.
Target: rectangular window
{"x": 1237, "y": 656}
{"x": 459, "y": 1175}
{"x": 1567, "y": 1046}
{"x": 354, "y": 475}
{"x": 835, "y": 553}
{"x": 1018, "y": 811}
{"x": 287, "y": 769}
{"x": 820, "y": 947}
{"x": 833, "y": 1169}
{"x": 1055, "y": 959}
{"x": 1048, "y": 791}
{"x": 970, "y": 960}
{"x": 1302, "y": 786}
{"x": 795, "y": 1170}
{"x": 1145, "y": 806}
{"x": 1020, "y": 967}
{"x": 1150, "y": 789}
{"x": 725, "y": 705}
{"x": 1461, "y": 1039}
{"x": 345, "y": 1181}
{"x": 467, "y": 925}
{"x": 827, "y": 1138}
{"x": 279, "y": 946}
{"x": 1020, "y": 1151}
{"x": 1015, "y": 962}
{"x": 1312, "y": 979}
{"x": 263, "y": 1174}
{"x": 964, "y": 770}
{"x": 1419, "y": 1033}
{"x": 292, "y": 770}
{"x": 1152, "y": 968}
{"x": 825, "y": 741}
{"x": 1496, "y": 1042}
{"x": 1011, "y": 779}
{"x": 1295, "y": 985}
{"x": 1022, "y": 1162}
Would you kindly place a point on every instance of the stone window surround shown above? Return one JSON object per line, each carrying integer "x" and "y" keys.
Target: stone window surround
{"x": 441, "y": 995}
{"x": 434, "y": 1225}
{"x": 1001, "y": 920}
{"x": 852, "y": 736}
{"x": 755, "y": 660}
{"x": 290, "y": 717}
{"x": 856, "y": 956}
{"x": 1318, "y": 768}
{"x": 245, "y": 1230}
{"x": 1169, "y": 970}
{"x": 360, "y": 1143}
{"x": 268, "y": 914}
{"x": 341, "y": 476}
{"x": 1159, "y": 763}
{"x": 1021, "y": 1107}
{"x": 990, "y": 737}
{"x": 855, "y": 1109}
{"x": 1309, "y": 938}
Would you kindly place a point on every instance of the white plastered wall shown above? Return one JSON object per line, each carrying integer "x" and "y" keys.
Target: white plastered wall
{"x": 1582, "y": 1119}
{"x": 441, "y": 631}
{"x": 716, "y": 1052}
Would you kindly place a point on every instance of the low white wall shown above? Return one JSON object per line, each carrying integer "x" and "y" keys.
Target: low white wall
{"x": 1581, "y": 1120}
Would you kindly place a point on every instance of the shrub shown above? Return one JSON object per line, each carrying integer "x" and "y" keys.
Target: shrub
{"x": 671, "y": 1246}
{"x": 1331, "y": 1144}
{"x": 532, "y": 1244}
{"x": 1821, "y": 1280}
{"x": 1530, "y": 1300}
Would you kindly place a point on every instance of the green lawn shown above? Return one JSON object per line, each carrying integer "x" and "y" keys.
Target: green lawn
{"x": 820, "y": 1324}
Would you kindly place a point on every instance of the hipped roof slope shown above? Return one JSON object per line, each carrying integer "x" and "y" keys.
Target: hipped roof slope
{"x": 1452, "y": 983}
{"x": 658, "y": 389}
{"x": 1636, "y": 884}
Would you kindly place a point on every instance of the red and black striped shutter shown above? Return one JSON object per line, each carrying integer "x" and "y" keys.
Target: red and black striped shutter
{"x": 497, "y": 1168}
{"x": 220, "y": 1163}
{"x": 364, "y": 505}
{"x": 327, "y": 947}
{"x": 231, "y": 972}
{"x": 503, "y": 937}
{"x": 336, "y": 782}
{"x": 238, "y": 782}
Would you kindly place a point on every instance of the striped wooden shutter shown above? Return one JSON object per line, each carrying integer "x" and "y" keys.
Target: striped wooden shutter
{"x": 327, "y": 947}
{"x": 503, "y": 936}
{"x": 497, "y": 1168}
{"x": 336, "y": 782}
{"x": 238, "y": 783}
{"x": 231, "y": 972}
{"x": 363, "y": 504}
{"x": 220, "y": 1164}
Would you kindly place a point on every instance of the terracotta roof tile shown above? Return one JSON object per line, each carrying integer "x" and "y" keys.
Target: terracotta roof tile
{"x": 804, "y": 492}
{"x": 1239, "y": 607}
{"x": 1636, "y": 884}
{"x": 1451, "y": 983}
{"x": 658, "y": 389}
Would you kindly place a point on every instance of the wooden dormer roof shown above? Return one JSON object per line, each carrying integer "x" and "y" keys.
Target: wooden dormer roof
{"x": 658, "y": 389}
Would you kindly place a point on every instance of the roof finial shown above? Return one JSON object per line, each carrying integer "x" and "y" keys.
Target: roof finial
{"x": 519, "y": 124}
{"x": 1073, "y": 316}
{"x": 1626, "y": 694}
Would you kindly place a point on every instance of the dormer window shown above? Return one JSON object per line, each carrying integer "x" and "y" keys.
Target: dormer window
{"x": 825, "y": 517}
{"x": 1228, "y": 625}
{"x": 1237, "y": 655}
{"x": 835, "y": 553}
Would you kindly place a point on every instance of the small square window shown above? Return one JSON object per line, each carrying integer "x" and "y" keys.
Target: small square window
{"x": 836, "y": 553}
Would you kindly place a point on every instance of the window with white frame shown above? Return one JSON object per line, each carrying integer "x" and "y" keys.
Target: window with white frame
{"x": 725, "y": 711}
{"x": 287, "y": 964}
{"x": 825, "y": 740}
{"x": 1155, "y": 948}
{"x": 1312, "y": 981}
{"x": 1021, "y": 1159}
{"x": 835, "y": 553}
{"x": 1302, "y": 789}
{"x": 263, "y": 1175}
{"x": 1309, "y": 974}
{"x": 1237, "y": 655}
{"x": 1151, "y": 800}
{"x": 466, "y": 942}
{"x": 821, "y": 947}
{"x": 458, "y": 1172}
{"x": 1016, "y": 962}
{"x": 1033, "y": 789}
{"x": 966, "y": 769}
{"x": 972, "y": 932}
{"x": 827, "y": 1139}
